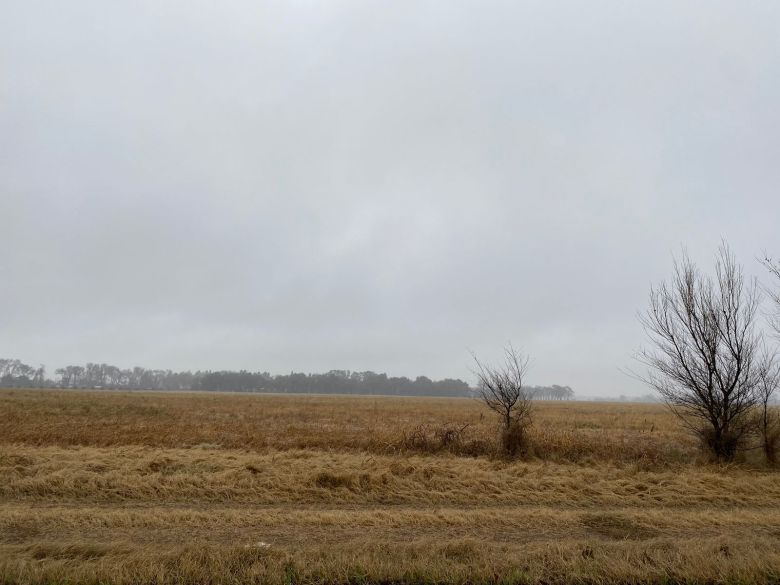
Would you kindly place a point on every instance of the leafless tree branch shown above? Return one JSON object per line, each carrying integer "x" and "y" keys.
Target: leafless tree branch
{"x": 705, "y": 359}
{"x": 502, "y": 388}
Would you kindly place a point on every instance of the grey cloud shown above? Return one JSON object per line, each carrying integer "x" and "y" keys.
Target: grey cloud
{"x": 281, "y": 185}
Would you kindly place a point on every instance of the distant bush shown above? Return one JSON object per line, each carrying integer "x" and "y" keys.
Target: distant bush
{"x": 447, "y": 438}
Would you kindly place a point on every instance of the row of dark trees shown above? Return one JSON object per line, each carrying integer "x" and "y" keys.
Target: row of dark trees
{"x": 333, "y": 382}
{"x": 16, "y": 374}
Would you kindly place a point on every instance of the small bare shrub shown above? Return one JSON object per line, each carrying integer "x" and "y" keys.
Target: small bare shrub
{"x": 450, "y": 437}
{"x": 447, "y": 438}
{"x": 501, "y": 389}
{"x": 417, "y": 439}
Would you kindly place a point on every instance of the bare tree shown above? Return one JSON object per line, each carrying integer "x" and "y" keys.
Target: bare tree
{"x": 774, "y": 268}
{"x": 706, "y": 362}
{"x": 768, "y": 415}
{"x": 501, "y": 389}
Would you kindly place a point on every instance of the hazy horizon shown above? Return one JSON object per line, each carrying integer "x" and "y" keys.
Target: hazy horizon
{"x": 374, "y": 186}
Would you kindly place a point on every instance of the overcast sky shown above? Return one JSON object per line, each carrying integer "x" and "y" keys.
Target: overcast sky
{"x": 374, "y": 185}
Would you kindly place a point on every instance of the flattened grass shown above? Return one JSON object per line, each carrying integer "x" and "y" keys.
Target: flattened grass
{"x": 186, "y": 489}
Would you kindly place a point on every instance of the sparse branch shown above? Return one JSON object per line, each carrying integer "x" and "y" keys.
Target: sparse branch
{"x": 773, "y": 265}
{"x": 768, "y": 415}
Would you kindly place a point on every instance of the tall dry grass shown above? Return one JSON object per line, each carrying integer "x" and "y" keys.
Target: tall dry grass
{"x": 380, "y": 425}
{"x": 126, "y": 488}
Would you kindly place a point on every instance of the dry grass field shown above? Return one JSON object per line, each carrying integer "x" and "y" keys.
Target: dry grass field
{"x": 121, "y": 488}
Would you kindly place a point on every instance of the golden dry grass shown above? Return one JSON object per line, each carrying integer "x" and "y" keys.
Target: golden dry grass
{"x": 127, "y": 488}
{"x": 565, "y": 431}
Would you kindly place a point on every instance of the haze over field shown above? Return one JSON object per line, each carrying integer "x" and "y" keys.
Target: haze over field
{"x": 374, "y": 186}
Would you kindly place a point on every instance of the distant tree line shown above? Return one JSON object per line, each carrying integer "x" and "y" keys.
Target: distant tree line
{"x": 553, "y": 392}
{"x": 15, "y": 374}
{"x": 108, "y": 376}
{"x": 333, "y": 382}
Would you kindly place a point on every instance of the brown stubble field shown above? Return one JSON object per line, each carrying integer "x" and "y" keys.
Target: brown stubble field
{"x": 116, "y": 487}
